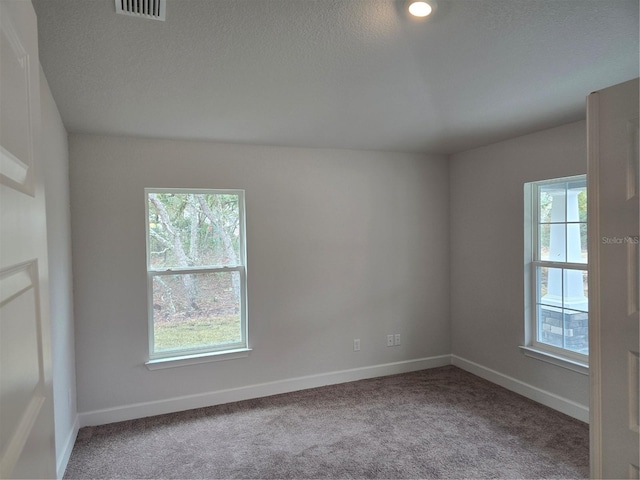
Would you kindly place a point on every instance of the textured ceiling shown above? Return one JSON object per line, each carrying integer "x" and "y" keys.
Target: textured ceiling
{"x": 355, "y": 74}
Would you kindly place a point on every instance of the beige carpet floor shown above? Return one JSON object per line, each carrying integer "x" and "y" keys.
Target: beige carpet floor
{"x": 438, "y": 423}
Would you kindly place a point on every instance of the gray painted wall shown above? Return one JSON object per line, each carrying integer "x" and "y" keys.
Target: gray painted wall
{"x": 487, "y": 281}
{"x": 341, "y": 245}
{"x": 56, "y": 183}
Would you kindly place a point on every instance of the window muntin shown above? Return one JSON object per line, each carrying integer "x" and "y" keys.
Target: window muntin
{"x": 559, "y": 267}
{"x": 196, "y": 271}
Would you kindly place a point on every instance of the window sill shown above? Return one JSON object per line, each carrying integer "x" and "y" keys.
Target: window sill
{"x": 183, "y": 360}
{"x": 569, "y": 364}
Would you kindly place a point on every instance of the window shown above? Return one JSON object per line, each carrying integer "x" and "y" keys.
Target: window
{"x": 196, "y": 272}
{"x": 556, "y": 253}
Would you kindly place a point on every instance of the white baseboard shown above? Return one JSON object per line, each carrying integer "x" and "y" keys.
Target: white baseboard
{"x": 188, "y": 402}
{"x": 63, "y": 457}
{"x": 564, "y": 405}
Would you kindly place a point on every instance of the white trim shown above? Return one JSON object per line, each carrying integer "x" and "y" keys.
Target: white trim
{"x": 559, "y": 352}
{"x": 63, "y": 457}
{"x": 183, "y": 360}
{"x": 565, "y": 265}
{"x": 196, "y": 270}
{"x": 176, "y": 404}
{"x": 593, "y": 236}
{"x": 561, "y": 404}
{"x": 558, "y": 360}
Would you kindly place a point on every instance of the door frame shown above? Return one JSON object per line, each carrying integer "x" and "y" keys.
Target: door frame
{"x": 593, "y": 222}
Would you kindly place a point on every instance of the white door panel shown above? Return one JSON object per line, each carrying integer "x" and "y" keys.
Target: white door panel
{"x": 27, "y": 448}
{"x": 614, "y": 225}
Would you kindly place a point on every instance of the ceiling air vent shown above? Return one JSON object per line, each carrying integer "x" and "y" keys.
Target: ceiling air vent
{"x": 154, "y": 9}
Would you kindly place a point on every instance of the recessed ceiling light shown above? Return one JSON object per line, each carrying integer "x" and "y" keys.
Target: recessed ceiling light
{"x": 420, "y": 9}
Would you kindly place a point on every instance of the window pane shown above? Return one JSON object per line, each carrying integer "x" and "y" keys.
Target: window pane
{"x": 576, "y": 243}
{"x": 552, "y": 203}
{"x": 196, "y": 311}
{"x": 544, "y": 236}
{"x": 550, "y": 325}
{"x": 190, "y": 230}
{"x": 577, "y": 201}
{"x": 553, "y": 242}
{"x": 562, "y": 305}
{"x": 542, "y": 282}
{"x": 549, "y": 286}
{"x": 575, "y": 290}
{"x": 576, "y": 331}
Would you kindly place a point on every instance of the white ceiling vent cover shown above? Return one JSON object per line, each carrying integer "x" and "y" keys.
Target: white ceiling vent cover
{"x": 154, "y": 9}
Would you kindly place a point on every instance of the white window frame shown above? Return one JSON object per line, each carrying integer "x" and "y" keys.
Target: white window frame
{"x": 532, "y": 347}
{"x": 173, "y": 358}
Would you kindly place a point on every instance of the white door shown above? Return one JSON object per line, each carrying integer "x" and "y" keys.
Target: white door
{"x": 27, "y": 448}
{"x": 614, "y": 201}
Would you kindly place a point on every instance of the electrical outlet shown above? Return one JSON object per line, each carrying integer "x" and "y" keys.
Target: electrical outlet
{"x": 396, "y": 339}
{"x": 356, "y": 345}
{"x": 389, "y": 340}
